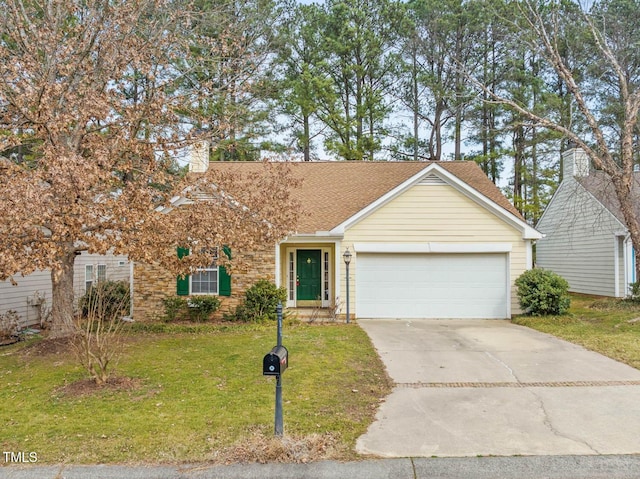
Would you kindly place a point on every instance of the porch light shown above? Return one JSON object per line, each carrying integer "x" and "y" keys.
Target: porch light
{"x": 347, "y": 259}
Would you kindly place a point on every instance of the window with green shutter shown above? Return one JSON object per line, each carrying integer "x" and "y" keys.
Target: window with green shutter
{"x": 182, "y": 282}
{"x": 211, "y": 280}
{"x": 225, "y": 278}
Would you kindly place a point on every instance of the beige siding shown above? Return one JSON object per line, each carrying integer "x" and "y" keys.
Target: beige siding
{"x": 437, "y": 214}
{"x": 580, "y": 241}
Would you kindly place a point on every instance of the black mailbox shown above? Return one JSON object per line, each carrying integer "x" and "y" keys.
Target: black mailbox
{"x": 275, "y": 362}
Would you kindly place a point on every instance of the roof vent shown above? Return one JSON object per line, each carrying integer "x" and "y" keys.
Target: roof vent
{"x": 432, "y": 180}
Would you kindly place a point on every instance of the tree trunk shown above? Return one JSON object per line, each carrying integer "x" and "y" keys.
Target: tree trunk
{"x": 416, "y": 103}
{"x": 62, "y": 297}
{"x": 306, "y": 138}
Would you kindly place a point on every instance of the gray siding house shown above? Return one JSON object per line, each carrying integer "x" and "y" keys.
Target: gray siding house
{"x": 585, "y": 237}
{"x": 31, "y": 297}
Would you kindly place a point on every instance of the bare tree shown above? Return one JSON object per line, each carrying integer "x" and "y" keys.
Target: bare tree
{"x": 90, "y": 91}
{"x": 543, "y": 27}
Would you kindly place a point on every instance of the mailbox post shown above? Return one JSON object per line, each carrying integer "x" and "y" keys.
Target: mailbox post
{"x": 275, "y": 363}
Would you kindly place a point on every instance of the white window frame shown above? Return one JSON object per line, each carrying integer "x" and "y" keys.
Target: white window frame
{"x": 213, "y": 267}
{"x": 100, "y": 267}
{"x": 88, "y": 277}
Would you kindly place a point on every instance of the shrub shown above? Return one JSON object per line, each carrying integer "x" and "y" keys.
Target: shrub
{"x": 634, "y": 292}
{"x": 262, "y": 298}
{"x": 194, "y": 308}
{"x": 111, "y": 297}
{"x": 259, "y": 303}
{"x": 174, "y": 308}
{"x": 9, "y": 323}
{"x": 542, "y": 292}
{"x": 202, "y": 307}
{"x": 97, "y": 341}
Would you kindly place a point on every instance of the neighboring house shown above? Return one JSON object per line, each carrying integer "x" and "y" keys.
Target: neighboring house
{"x": 31, "y": 297}
{"x": 585, "y": 237}
{"x": 428, "y": 239}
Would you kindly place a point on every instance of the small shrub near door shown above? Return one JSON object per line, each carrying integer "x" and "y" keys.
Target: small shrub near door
{"x": 542, "y": 292}
{"x": 260, "y": 302}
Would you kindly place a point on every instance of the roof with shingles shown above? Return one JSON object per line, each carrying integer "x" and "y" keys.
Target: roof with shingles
{"x": 599, "y": 184}
{"x": 333, "y": 191}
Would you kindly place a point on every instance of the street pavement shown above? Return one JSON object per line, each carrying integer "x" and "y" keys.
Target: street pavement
{"x": 549, "y": 467}
{"x": 492, "y": 388}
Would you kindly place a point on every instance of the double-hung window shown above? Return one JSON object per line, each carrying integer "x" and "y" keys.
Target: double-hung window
{"x": 212, "y": 279}
{"x": 88, "y": 277}
{"x": 205, "y": 280}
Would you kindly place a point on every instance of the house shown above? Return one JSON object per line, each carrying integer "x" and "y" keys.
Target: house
{"x": 427, "y": 239}
{"x": 585, "y": 237}
{"x": 31, "y": 297}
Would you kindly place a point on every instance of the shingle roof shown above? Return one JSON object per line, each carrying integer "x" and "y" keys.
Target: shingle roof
{"x": 332, "y": 192}
{"x": 599, "y": 184}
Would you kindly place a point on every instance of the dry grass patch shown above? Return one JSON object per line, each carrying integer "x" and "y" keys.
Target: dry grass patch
{"x": 262, "y": 448}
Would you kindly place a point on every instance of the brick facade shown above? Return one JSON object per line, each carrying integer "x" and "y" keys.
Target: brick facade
{"x": 151, "y": 284}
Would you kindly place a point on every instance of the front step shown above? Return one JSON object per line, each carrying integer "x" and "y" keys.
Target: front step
{"x": 311, "y": 314}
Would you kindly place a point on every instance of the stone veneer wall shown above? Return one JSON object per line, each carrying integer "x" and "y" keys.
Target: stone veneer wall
{"x": 151, "y": 284}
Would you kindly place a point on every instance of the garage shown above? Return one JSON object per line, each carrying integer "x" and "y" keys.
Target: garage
{"x": 433, "y": 285}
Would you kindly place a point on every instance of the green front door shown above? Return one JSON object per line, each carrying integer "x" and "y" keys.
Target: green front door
{"x": 309, "y": 275}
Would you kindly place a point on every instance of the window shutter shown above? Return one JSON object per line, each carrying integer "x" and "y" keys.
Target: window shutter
{"x": 224, "y": 286}
{"x": 182, "y": 282}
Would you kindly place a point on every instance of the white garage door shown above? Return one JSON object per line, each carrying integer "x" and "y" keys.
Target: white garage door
{"x": 393, "y": 285}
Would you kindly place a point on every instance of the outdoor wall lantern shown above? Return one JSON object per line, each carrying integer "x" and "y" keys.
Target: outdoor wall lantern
{"x": 347, "y": 259}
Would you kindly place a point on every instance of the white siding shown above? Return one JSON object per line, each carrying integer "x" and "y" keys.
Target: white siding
{"x": 21, "y": 298}
{"x": 580, "y": 241}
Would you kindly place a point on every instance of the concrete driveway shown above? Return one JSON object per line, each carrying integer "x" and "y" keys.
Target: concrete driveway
{"x": 489, "y": 387}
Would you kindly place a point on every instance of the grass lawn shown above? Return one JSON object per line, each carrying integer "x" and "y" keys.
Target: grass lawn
{"x": 193, "y": 394}
{"x": 608, "y": 326}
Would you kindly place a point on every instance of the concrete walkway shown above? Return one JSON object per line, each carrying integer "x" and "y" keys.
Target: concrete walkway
{"x": 485, "y": 387}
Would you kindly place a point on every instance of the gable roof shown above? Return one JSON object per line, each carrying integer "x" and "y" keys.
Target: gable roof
{"x": 599, "y": 185}
{"x": 332, "y": 192}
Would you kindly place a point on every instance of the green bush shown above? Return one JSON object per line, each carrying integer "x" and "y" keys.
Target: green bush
{"x": 259, "y": 303}
{"x": 108, "y": 298}
{"x": 194, "y": 308}
{"x": 175, "y": 307}
{"x": 634, "y": 289}
{"x": 542, "y": 292}
{"x": 202, "y": 307}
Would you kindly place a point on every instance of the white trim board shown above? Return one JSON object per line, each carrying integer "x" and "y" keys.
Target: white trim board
{"x": 432, "y": 247}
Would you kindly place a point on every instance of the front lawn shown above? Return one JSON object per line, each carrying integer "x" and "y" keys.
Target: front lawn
{"x": 191, "y": 395}
{"x": 608, "y": 326}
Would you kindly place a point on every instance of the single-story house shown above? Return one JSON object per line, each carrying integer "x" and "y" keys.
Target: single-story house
{"x": 427, "y": 239}
{"x": 30, "y": 298}
{"x": 585, "y": 237}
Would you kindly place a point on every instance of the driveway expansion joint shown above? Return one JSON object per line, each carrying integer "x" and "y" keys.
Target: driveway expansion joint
{"x": 553, "y": 384}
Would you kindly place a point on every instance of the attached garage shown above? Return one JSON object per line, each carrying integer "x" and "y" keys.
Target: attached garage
{"x": 432, "y": 285}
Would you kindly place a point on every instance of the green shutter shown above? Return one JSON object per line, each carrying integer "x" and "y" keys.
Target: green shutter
{"x": 224, "y": 287}
{"x": 182, "y": 282}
